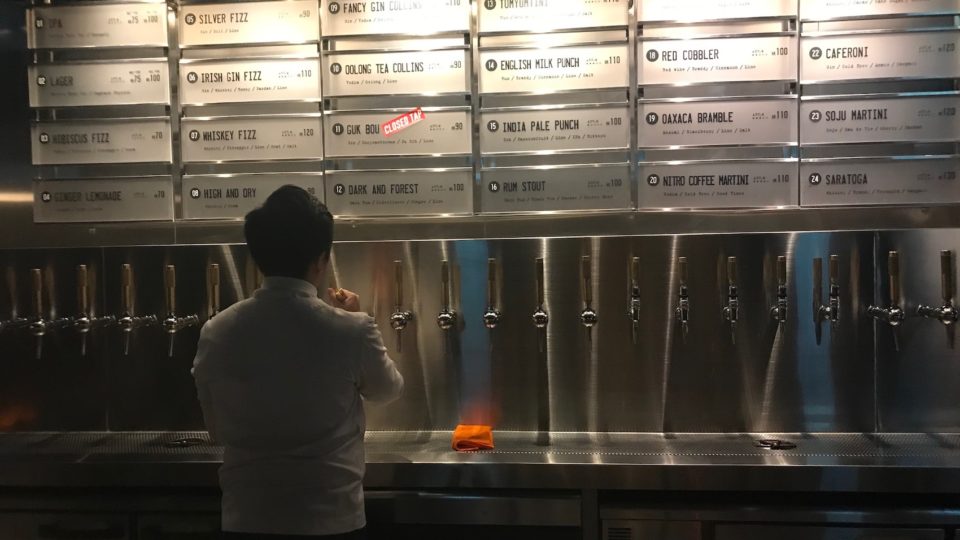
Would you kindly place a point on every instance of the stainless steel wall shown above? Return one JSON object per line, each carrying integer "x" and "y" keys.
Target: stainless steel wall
{"x": 771, "y": 380}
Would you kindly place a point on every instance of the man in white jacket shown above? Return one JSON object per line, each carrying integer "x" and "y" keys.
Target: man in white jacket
{"x": 282, "y": 378}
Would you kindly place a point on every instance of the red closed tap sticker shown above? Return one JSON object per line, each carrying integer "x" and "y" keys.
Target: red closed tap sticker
{"x": 402, "y": 122}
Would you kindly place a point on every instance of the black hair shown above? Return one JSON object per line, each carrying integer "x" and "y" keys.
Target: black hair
{"x": 290, "y": 231}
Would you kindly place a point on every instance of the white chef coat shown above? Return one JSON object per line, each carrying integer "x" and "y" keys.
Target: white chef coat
{"x": 280, "y": 378}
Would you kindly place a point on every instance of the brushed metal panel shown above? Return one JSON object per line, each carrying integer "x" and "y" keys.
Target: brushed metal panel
{"x": 886, "y": 56}
{"x": 514, "y": 16}
{"x": 102, "y": 201}
{"x": 831, "y": 9}
{"x": 99, "y": 83}
{"x": 794, "y": 532}
{"x": 928, "y": 180}
{"x": 415, "y": 71}
{"x": 148, "y": 389}
{"x": 700, "y": 10}
{"x": 139, "y": 24}
{"x": 916, "y": 386}
{"x": 290, "y": 21}
{"x": 544, "y": 70}
{"x": 232, "y": 196}
{"x": 354, "y": 19}
{"x": 736, "y": 59}
{"x": 62, "y": 390}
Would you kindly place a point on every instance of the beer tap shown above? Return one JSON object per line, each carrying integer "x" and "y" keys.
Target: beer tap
{"x": 683, "y": 298}
{"x": 831, "y": 311}
{"x": 447, "y": 318}
{"x": 731, "y": 312}
{"x": 779, "y": 311}
{"x": 894, "y": 314}
{"x": 400, "y": 317}
{"x": 16, "y": 321}
{"x": 38, "y": 325}
{"x": 127, "y": 321}
{"x": 491, "y": 317}
{"x": 213, "y": 290}
{"x": 588, "y": 317}
{"x": 947, "y": 314}
{"x": 540, "y": 317}
{"x": 173, "y": 324}
{"x": 84, "y": 322}
{"x": 634, "y": 313}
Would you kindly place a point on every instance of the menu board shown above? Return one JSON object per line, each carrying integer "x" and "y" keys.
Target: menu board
{"x": 721, "y": 184}
{"x": 835, "y": 9}
{"x": 255, "y": 80}
{"x": 232, "y": 196}
{"x": 553, "y": 188}
{"x": 394, "y": 17}
{"x": 717, "y": 60}
{"x": 393, "y": 73}
{"x": 555, "y": 129}
{"x": 677, "y": 123}
{"x": 880, "y": 182}
{"x": 107, "y": 25}
{"x": 913, "y": 119}
{"x": 84, "y": 84}
{"x": 285, "y": 21}
{"x": 882, "y": 56}
{"x": 543, "y": 15}
{"x": 400, "y": 192}
{"x": 252, "y": 138}
{"x": 139, "y": 140}
{"x": 556, "y": 69}
{"x": 103, "y": 200}
{"x": 363, "y": 134}
{"x": 703, "y": 10}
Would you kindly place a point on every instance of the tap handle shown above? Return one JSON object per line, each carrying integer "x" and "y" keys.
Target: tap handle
{"x": 817, "y": 287}
{"x": 834, "y": 271}
{"x": 635, "y": 272}
{"x": 782, "y": 271}
{"x": 170, "y": 287}
{"x": 732, "y": 271}
{"x": 946, "y": 276}
{"x": 682, "y": 270}
{"x": 213, "y": 294}
{"x": 587, "y": 278}
{"x": 445, "y": 283}
{"x": 398, "y": 282}
{"x": 83, "y": 294}
{"x": 893, "y": 267}
{"x": 36, "y": 278}
{"x": 491, "y": 282}
{"x": 540, "y": 283}
{"x": 126, "y": 288}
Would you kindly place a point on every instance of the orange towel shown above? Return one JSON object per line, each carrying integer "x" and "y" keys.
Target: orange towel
{"x": 471, "y": 438}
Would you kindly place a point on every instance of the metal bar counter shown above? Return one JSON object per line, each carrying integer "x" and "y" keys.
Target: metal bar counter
{"x": 867, "y": 463}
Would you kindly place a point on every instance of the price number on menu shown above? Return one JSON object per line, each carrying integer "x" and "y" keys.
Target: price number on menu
{"x": 452, "y": 188}
{"x": 134, "y": 17}
{"x": 778, "y": 115}
{"x": 776, "y": 51}
{"x": 612, "y": 60}
{"x": 305, "y": 132}
{"x": 160, "y": 194}
{"x": 302, "y": 74}
{"x": 615, "y": 182}
{"x": 781, "y": 179}
{"x": 615, "y": 121}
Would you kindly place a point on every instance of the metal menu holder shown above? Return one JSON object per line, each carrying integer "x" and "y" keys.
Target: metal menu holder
{"x": 717, "y": 114}
{"x": 409, "y": 108}
{"x": 101, "y": 135}
{"x": 250, "y": 81}
{"x": 556, "y": 115}
{"x": 878, "y": 116}
{"x": 398, "y": 131}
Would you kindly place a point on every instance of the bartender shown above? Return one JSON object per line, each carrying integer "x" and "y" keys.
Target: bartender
{"x": 282, "y": 378}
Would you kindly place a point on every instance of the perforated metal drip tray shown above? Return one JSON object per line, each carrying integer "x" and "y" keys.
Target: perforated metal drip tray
{"x": 620, "y": 447}
{"x": 109, "y": 446}
{"x": 520, "y": 447}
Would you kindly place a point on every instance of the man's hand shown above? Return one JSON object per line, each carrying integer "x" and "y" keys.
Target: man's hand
{"x": 343, "y": 299}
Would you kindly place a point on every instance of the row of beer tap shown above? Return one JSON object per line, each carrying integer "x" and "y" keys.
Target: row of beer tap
{"x": 84, "y": 322}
